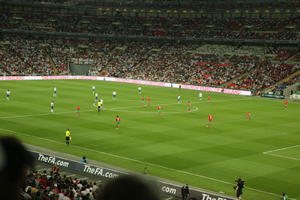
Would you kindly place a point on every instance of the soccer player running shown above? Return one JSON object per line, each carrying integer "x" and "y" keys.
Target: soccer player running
{"x": 143, "y": 101}
{"x": 148, "y": 100}
{"x": 93, "y": 89}
{"x": 140, "y": 90}
{"x": 178, "y": 99}
{"x": 208, "y": 99}
{"x": 284, "y": 196}
{"x": 96, "y": 97}
{"x": 114, "y": 95}
{"x": 52, "y": 106}
{"x": 8, "y": 94}
{"x": 189, "y": 106}
{"x": 78, "y": 110}
{"x": 286, "y": 103}
{"x": 54, "y": 92}
{"x": 159, "y": 109}
{"x": 68, "y": 136}
{"x": 99, "y": 105}
{"x": 209, "y": 119}
{"x": 200, "y": 96}
{"x": 248, "y": 116}
{"x": 118, "y": 121}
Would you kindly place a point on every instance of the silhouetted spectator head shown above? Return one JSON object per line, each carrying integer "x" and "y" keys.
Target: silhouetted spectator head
{"x": 14, "y": 161}
{"x": 128, "y": 188}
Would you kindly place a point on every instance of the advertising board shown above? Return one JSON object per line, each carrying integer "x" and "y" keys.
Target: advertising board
{"x": 105, "y": 173}
{"x": 123, "y": 80}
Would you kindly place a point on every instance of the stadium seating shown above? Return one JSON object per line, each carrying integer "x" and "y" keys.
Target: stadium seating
{"x": 23, "y": 57}
{"x": 51, "y": 185}
{"x": 291, "y": 81}
{"x": 236, "y": 28}
{"x": 263, "y": 76}
{"x": 238, "y": 67}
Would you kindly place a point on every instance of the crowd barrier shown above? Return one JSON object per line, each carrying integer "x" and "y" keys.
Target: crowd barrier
{"x": 105, "y": 174}
{"x": 123, "y": 80}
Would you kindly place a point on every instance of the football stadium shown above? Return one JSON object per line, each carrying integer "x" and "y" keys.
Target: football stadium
{"x": 199, "y": 98}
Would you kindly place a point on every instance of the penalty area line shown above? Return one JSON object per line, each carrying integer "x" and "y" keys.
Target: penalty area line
{"x": 271, "y": 152}
{"x": 144, "y": 163}
{"x": 280, "y": 156}
{"x": 288, "y": 147}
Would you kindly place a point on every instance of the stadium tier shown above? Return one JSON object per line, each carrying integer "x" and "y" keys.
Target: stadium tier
{"x": 236, "y": 67}
{"x": 262, "y": 29}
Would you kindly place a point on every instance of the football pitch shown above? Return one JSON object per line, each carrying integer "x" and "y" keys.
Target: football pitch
{"x": 175, "y": 144}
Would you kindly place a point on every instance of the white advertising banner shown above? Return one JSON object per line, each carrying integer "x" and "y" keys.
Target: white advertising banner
{"x": 123, "y": 80}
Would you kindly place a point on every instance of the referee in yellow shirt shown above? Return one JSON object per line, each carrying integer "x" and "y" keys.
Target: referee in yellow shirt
{"x": 68, "y": 136}
{"x": 99, "y": 105}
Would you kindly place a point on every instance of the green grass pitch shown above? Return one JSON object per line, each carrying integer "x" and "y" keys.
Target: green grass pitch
{"x": 176, "y": 144}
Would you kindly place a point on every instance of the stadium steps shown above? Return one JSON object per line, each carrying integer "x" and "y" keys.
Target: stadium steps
{"x": 53, "y": 66}
{"x": 281, "y": 81}
{"x": 290, "y": 59}
{"x": 108, "y": 62}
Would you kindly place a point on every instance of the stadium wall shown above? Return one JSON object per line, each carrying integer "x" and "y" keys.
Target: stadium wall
{"x": 105, "y": 174}
{"x": 122, "y": 80}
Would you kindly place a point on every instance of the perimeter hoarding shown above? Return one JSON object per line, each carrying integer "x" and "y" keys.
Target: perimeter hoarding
{"x": 123, "y": 80}
{"x": 105, "y": 173}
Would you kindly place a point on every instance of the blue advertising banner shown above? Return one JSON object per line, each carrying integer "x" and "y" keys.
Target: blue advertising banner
{"x": 105, "y": 173}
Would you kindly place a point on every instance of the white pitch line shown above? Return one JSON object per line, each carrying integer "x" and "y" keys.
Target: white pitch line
{"x": 149, "y": 112}
{"x": 147, "y": 163}
{"x": 122, "y": 109}
{"x": 214, "y": 101}
{"x": 42, "y": 114}
{"x": 113, "y": 109}
{"x": 289, "y": 147}
{"x": 280, "y": 156}
{"x": 126, "y": 107}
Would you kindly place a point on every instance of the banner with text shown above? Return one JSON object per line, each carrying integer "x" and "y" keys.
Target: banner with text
{"x": 123, "y": 80}
{"x": 104, "y": 173}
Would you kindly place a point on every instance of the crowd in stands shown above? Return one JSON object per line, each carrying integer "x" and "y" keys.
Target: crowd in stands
{"x": 19, "y": 180}
{"x": 23, "y": 57}
{"x": 263, "y": 76}
{"x": 54, "y": 186}
{"x": 233, "y": 28}
{"x": 171, "y": 4}
{"x": 292, "y": 80}
{"x": 283, "y": 54}
{"x": 238, "y": 67}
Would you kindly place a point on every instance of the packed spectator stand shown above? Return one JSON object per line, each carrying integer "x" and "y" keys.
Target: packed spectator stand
{"x": 52, "y": 185}
{"x": 292, "y": 80}
{"x": 50, "y": 49}
{"x": 209, "y": 65}
{"x": 169, "y": 4}
{"x": 264, "y": 29}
